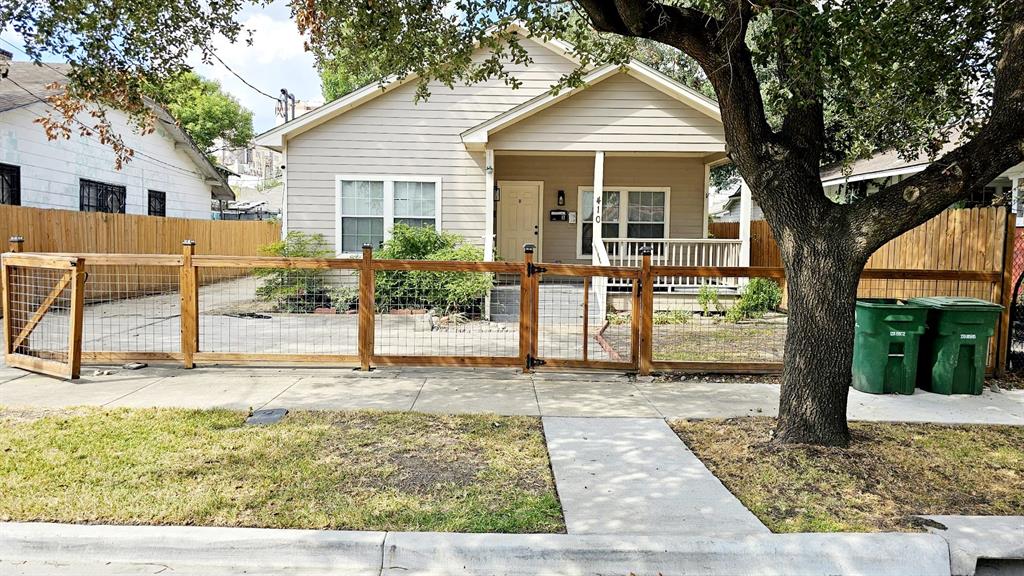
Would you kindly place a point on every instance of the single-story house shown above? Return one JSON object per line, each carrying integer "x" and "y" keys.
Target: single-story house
{"x": 168, "y": 175}
{"x": 504, "y": 167}
{"x": 731, "y": 209}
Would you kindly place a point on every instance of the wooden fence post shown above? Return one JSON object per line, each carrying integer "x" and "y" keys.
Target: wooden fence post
{"x": 646, "y": 312}
{"x": 78, "y": 276}
{"x": 15, "y": 244}
{"x": 1006, "y": 294}
{"x": 366, "y": 308}
{"x": 526, "y": 295}
{"x": 189, "y": 305}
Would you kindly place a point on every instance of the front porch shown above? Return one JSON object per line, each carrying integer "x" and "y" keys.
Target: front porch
{"x": 605, "y": 208}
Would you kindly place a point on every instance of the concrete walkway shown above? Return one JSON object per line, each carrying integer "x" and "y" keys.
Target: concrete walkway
{"x": 451, "y": 390}
{"x": 635, "y": 476}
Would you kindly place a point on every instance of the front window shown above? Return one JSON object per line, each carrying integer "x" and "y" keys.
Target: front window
{"x": 627, "y": 213}
{"x": 101, "y": 197}
{"x": 157, "y": 203}
{"x": 369, "y": 208}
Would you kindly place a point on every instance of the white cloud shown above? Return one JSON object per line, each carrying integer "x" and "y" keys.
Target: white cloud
{"x": 275, "y": 59}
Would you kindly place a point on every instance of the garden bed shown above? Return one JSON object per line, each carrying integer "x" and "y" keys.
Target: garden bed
{"x": 890, "y": 473}
{"x": 325, "y": 470}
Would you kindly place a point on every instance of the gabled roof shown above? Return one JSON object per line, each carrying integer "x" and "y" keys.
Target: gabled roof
{"x": 276, "y": 137}
{"x": 34, "y": 80}
{"x": 477, "y": 136}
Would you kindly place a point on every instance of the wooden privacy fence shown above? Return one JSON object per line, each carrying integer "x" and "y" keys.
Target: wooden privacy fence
{"x": 388, "y": 312}
{"x": 68, "y": 231}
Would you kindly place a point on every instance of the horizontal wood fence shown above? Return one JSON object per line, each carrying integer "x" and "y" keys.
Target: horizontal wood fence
{"x": 68, "y": 231}
{"x": 367, "y": 312}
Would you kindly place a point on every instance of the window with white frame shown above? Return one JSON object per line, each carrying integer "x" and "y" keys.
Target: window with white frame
{"x": 368, "y": 207}
{"x": 626, "y": 213}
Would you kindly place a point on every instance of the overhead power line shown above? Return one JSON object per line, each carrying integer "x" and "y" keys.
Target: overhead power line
{"x": 244, "y": 81}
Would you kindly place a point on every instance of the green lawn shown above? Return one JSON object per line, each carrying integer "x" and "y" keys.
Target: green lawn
{"x": 342, "y": 470}
{"x": 889, "y": 473}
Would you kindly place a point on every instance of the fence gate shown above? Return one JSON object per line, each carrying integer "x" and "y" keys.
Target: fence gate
{"x": 583, "y": 316}
{"x": 42, "y": 306}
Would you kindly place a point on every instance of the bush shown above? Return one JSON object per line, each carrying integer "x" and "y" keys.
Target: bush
{"x": 671, "y": 317}
{"x": 759, "y": 296}
{"x": 445, "y": 292}
{"x": 707, "y": 297}
{"x": 295, "y": 290}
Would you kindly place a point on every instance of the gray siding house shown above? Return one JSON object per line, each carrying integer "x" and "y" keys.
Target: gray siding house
{"x": 503, "y": 166}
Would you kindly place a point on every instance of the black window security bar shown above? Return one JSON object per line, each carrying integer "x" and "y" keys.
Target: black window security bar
{"x": 101, "y": 197}
{"x": 10, "y": 185}
{"x": 157, "y": 203}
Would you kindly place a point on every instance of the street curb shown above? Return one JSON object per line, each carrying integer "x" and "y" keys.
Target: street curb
{"x": 208, "y": 551}
{"x": 193, "y": 549}
{"x": 430, "y": 554}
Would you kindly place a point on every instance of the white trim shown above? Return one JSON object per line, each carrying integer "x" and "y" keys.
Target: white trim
{"x": 623, "y": 211}
{"x": 477, "y": 136}
{"x": 540, "y": 211}
{"x": 284, "y": 193}
{"x": 707, "y": 190}
{"x": 874, "y": 175}
{"x": 388, "y": 214}
{"x": 276, "y": 137}
{"x": 489, "y": 205}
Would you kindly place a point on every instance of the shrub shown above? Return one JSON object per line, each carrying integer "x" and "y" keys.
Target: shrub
{"x": 295, "y": 289}
{"x": 445, "y": 292}
{"x": 671, "y": 317}
{"x": 759, "y": 296}
{"x": 707, "y": 297}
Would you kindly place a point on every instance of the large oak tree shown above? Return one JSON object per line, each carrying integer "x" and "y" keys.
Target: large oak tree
{"x": 798, "y": 82}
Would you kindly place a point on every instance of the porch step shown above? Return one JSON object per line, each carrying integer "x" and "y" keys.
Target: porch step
{"x": 558, "y": 303}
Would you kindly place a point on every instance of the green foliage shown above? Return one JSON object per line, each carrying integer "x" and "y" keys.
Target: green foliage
{"x": 296, "y": 290}
{"x": 707, "y": 297}
{"x": 758, "y": 297}
{"x": 338, "y": 77}
{"x": 444, "y": 292}
{"x": 671, "y": 317}
{"x": 205, "y": 111}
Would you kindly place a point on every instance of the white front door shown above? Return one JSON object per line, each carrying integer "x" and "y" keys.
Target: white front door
{"x": 518, "y": 218}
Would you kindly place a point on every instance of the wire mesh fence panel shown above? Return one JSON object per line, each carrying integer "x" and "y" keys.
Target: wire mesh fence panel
{"x": 39, "y": 309}
{"x": 585, "y": 318}
{"x": 132, "y": 309}
{"x": 304, "y": 311}
{"x": 446, "y": 313}
{"x": 723, "y": 320}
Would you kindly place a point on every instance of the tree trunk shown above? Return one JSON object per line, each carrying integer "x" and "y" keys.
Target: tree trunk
{"x": 822, "y": 272}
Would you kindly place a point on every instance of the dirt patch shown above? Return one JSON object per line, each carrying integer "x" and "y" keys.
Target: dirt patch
{"x": 1010, "y": 381}
{"x": 31, "y": 414}
{"x": 890, "y": 473}
{"x": 719, "y": 378}
{"x": 422, "y": 472}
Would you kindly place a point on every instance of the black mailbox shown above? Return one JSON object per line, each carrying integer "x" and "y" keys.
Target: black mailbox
{"x": 558, "y": 215}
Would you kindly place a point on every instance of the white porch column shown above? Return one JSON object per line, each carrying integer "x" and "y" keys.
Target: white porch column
{"x": 489, "y": 206}
{"x": 746, "y": 209}
{"x": 1015, "y": 198}
{"x": 598, "y": 247}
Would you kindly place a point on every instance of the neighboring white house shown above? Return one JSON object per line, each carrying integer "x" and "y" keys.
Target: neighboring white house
{"x": 730, "y": 210}
{"x": 168, "y": 175}
{"x": 504, "y": 167}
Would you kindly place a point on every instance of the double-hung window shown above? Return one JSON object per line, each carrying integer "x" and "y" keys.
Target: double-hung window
{"x": 10, "y": 185}
{"x": 369, "y": 207}
{"x": 625, "y": 213}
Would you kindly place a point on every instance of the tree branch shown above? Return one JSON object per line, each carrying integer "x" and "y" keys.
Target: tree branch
{"x": 997, "y": 146}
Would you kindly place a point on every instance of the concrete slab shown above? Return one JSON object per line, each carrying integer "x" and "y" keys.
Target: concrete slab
{"x": 971, "y": 538}
{"x": 48, "y": 392}
{"x": 433, "y": 554}
{"x": 209, "y": 391}
{"x": 1005, "y": 407}
{"x": 7, "y": 373}
{"x": 598, "y": 399}
{"x": 635, "y": 476}
{"x": 456, "y": 373}
{"x": 466, "y": 396}
{"x": 349, "y": 393}
{"x": 43, "y": 548}
{"x": 710, "y": 400}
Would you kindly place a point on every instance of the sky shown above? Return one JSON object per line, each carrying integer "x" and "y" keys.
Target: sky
{"x": 275, "y": 60}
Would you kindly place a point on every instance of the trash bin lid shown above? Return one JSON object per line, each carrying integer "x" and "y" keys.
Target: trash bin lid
{"x": 956, "y": 303}
{"x": 887, "y": 303}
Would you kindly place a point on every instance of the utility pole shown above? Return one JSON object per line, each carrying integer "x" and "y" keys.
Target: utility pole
{"x": 285, "y": 98}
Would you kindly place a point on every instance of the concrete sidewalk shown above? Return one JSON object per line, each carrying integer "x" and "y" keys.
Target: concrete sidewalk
{"x": 454, "y": 390}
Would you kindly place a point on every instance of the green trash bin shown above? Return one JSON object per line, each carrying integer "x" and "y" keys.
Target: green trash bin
{"x": 886, "y": 344}
{"x": 955, "y": 348}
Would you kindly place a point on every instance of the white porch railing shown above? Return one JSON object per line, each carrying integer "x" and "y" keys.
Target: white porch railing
{"x": 675, "y": 252}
